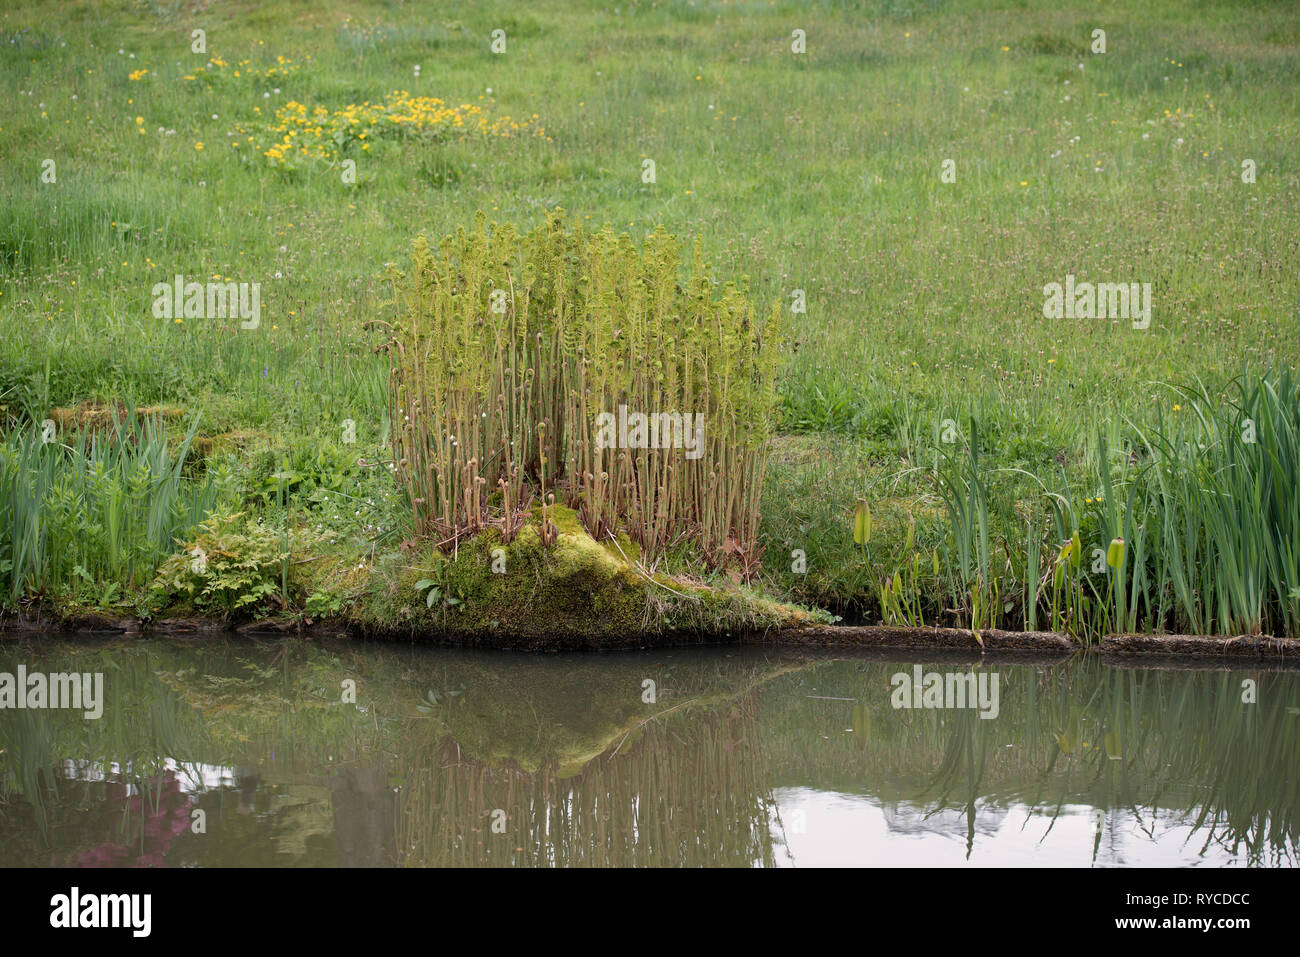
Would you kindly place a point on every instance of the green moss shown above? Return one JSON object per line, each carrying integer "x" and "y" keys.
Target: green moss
{"x": 575, "y": 593}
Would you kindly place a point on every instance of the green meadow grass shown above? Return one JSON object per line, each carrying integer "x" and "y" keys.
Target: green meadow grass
{"x": 818, "y": 172}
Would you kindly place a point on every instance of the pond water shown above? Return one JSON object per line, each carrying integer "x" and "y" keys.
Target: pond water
{"x": 232, "y": 753}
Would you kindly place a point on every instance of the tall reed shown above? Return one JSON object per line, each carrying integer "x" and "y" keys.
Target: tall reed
{"x": 1225, "y": 498}
{"x": 514, "y": 356}
{"x": 103, "y": 510}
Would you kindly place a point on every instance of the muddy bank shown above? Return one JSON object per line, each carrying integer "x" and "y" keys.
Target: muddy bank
{"x": 1242, "y": 648}
{"x": 863, "y": 637}
{"x": 1193, "y": 651}
{"x": 539, "y": 639}
{"x": 882, "y": 636}
{"x": 950, "y": 657}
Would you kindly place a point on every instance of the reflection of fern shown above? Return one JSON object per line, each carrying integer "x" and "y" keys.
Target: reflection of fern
{"x": 231, "y": 565}
{"x": 237, "y": 703}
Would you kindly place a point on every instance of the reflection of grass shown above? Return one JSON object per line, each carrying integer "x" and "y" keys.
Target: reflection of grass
{"x": 534, "y": 714}
{"x": 161, "y": 703}
{"x": 221, "y": 703}
{"x": 142, "y": 724}
{"x": 684, "y": 793}
{"x": 1078, "y": 734}
{"x": 566, "y": 747}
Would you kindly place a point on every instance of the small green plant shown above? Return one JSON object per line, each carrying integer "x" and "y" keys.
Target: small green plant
{"x": 101, "y": 594}
{"x": 862, "y": 527}
{"x": 233, "y": 566}
{"x": 432, "y": 590}
{"x": 965, "y": 495}
{"x": 306, "y": 474}
{"x": 1067, "y": 586}
{"x": 902, "y": 595}
{"x": 321, "y": 604}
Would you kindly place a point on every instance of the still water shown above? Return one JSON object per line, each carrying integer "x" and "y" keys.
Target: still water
{"x": 217, "y": 753}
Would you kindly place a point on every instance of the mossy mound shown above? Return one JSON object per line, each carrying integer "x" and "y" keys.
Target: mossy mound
{"x": 574, "y": 593}
{"x": 99, "y": 416}
{"x": 569, "y": 593}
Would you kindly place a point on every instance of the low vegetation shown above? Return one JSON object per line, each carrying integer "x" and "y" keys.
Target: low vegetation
{"x": 914, "y": 441}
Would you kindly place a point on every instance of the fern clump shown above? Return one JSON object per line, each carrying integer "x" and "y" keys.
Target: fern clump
{"x": 233, "y": 565}
{"x": 573, "y": 367}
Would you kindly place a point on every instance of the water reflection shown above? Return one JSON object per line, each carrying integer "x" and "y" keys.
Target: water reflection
{"x": 219, "y": 753}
